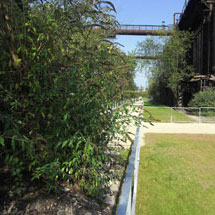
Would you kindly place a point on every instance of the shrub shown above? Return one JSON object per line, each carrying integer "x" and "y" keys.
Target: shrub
{"x": 58, "y": 80}
{"x": 204, "y": 98}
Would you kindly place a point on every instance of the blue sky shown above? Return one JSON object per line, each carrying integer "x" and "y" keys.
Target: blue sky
{"x": 144, "y": 12}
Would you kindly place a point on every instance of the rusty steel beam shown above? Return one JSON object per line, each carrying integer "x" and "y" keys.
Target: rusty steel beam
{"x": 147, "y": 57}
{"x": 154, "y": 30}
{"x": 144, "y": 32}
{"x": 175, "y": 21}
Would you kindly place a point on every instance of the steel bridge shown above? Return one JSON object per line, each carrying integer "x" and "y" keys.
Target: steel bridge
{"x": 147, "y": 57}
{"x": 144, "y": 30}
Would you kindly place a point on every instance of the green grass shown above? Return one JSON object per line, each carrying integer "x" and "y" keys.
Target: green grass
{"x": 177, "y": 175}
{"x": 161, "y": 113}
{"x": 152, "y": 103}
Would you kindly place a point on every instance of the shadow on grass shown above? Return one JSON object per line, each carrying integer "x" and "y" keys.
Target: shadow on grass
{"x": 154, "y": 104}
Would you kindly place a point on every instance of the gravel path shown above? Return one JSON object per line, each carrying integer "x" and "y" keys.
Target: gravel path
{"x": 172, "y": 128}
{"x": 180, "y": 128}
{"x": 183, "y": 128}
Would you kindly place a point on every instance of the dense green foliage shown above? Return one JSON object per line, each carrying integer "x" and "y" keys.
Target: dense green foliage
{"x": 59, "y": 76}
{"x": 172, "y": 67}
{"x": 204, "y": 98}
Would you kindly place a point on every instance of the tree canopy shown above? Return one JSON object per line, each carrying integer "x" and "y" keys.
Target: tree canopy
{"x": 172, "y": 66}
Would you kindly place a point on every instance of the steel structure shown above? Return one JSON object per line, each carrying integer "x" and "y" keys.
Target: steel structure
{"x": 154, "y": 30}
{"x": 147, "y": 57}
{"x": 199, "y": 17}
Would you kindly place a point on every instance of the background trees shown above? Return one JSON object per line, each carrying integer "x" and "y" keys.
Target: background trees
{"x": 172, "y": 67}
{"x": 204, "y": 98}
{"x": 59, "y": 76}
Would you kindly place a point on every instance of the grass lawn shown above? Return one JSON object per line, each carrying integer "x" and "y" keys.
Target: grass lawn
{"x": 177, "y": 175}
{"x": 152, "y": 103}
{"x": 161, "y": 113}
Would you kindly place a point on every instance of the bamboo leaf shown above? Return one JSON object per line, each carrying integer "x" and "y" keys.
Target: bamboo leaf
{"x": 109, "y": 3}
{"x": 2, "y": 141}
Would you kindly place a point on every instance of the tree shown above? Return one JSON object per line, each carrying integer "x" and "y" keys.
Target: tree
{"x": 173, "y": 65}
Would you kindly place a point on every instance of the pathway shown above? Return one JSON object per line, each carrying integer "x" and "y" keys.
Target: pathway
{"x": 179, "y": 128}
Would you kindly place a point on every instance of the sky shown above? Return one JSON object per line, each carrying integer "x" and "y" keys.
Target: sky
{"x": 144, "y": 12}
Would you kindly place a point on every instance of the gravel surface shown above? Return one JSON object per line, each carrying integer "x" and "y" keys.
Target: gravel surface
{"x": 180, "y": 128}
{"x": 177, "y": 128}
{"x": 184, "y": 128}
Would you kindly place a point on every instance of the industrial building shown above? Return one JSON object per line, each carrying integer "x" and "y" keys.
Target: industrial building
{"x": 198, "y": 16}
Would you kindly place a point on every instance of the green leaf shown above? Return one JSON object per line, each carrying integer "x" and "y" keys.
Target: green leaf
{"x": 109, "y": 3}
{"x": 13, "y": 144}
{"x": 66, "y": 116}
{"x": 43, "y": 115}
{"x": 23, "y": 145}
{"x": 2, "y": 141}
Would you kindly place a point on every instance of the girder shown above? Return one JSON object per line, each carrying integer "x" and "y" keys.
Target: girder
{"x": 155, "y": 30}
{"x": 147, "y": 57}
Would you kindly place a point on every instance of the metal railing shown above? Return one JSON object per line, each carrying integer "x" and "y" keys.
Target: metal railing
{"x": 146, "y": 27}
{"x": 181, "y": 114}
{"x": 128, "y": 195}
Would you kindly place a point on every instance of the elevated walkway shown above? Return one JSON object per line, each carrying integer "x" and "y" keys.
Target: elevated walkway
{"x": 144, "y": 30}
{"x": 147, "y": 57}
